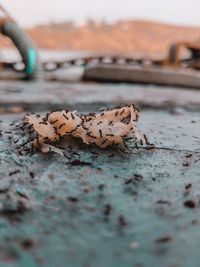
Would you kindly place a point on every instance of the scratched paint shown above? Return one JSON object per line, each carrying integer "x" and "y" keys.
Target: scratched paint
{"x": 98, "y": 207}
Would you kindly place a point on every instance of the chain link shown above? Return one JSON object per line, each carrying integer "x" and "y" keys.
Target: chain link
{"x": 49, "y": 66}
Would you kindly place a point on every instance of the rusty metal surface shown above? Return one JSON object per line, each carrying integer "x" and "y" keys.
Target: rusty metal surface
{"x": 97, "y": 207}
{"x": 143, "y": 74}
{"x": 191, "y": 61}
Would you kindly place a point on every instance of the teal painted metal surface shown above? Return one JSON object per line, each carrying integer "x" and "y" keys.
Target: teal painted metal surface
{"x": 31, "y": 60}
{"x": 99, "y": 207}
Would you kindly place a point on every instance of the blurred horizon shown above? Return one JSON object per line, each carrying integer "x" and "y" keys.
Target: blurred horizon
{"x": 179, "y": 12}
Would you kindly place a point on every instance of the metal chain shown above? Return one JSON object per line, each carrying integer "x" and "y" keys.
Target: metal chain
{"x": 84, "y": 61}
{"x": 49, "y": 66}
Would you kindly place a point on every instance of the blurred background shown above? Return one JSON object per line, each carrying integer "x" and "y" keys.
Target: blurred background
{"x": 106, "y": 25}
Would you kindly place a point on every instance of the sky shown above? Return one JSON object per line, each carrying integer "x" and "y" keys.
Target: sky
{"x": 32, "y": 12}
